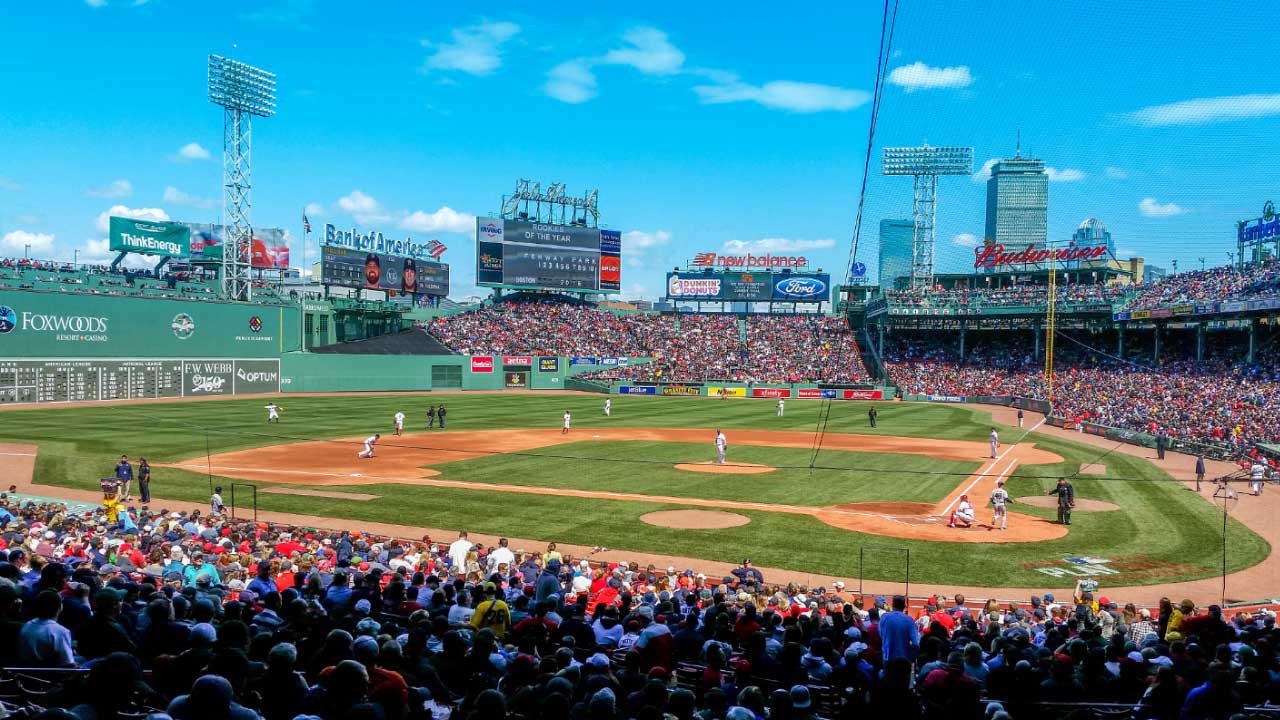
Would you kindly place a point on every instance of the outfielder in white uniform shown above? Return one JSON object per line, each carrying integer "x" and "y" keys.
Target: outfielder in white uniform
{"x": 999, "y": 497}
{"x": 780, "y": 407}
{"x": 995, "y": 442}
{"x": 368, "y": 446}
{"x": 722, "y": 444}
{"x": 399, "y": 423}
{"x": 273, "y": 412}
{"x": 567, "y": 419}
{"x": 963, "y": 515}
{"x": 608, "y": 407}
{"x": 1257, "y": 473}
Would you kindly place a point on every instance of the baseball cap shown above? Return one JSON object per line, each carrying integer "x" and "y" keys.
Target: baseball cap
{"x": 363, "y": 606}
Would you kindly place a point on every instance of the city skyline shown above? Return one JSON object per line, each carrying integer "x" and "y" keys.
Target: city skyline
{"x": 701, "y": 135}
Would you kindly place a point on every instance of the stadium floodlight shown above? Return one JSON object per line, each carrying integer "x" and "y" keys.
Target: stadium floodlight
{"x": 925, "y": 164}
{"x": 243, "y": 92}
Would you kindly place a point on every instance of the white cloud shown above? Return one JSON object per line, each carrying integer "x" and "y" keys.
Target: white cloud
{"x": 9, "y": 184}
{"x": 1151, "y": 208}
{"x": 18, "y": 240}
{"x": 103, "y": 223}
{"x": 446, "y": 219}
{"x": 636, "y": 241}
{"x": 1064, "y": 175}
{"x": 115, "y": 189}
{"x": 984, "y": 172}
{"x": 1124, "y": 253}
{"x": 800, "y": 97}
{"x": 918, "y": 76}
{"x": 365, "y": 209}
{"x": 1116, "y": 173}
{"x": 778, "y": 245}
{"x": 314, "y": 210}
{"x": 475, "y": 50}
{"x": 1204, "y": 111}
{"x": 175, "y": 196}
{"x": 189, "y": 152}
{"x": 650, "y": 52}
{"x": 572, "y": 82}
{"x": 968, "y": 240}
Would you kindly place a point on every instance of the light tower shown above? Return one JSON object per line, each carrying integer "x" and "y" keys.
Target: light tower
{"x": 925, "y": 164}
{"x": 243, "y": 92}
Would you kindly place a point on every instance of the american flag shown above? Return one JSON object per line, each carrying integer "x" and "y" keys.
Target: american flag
{"x": 704, "y": 259}
{"x": 435, "y": 249}
{"x": 306, "y": 224}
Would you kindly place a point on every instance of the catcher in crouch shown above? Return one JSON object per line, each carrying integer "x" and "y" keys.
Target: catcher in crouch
{"x": 963, "y": 515}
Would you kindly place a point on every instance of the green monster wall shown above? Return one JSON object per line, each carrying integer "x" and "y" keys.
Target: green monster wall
{"x": 57, "y": 325}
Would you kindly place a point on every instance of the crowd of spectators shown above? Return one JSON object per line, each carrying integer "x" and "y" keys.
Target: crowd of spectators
{"x": 1221, "y": 401}
{"x": 685, "y": 347}
{"x": 1218, "y": 284}
{"x": 210, "y": 617}
{"x": 1016, "y": 296}
{"x": 24, "y": 274}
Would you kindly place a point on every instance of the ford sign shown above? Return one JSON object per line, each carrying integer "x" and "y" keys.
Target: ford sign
{"x": 800, "y": 288}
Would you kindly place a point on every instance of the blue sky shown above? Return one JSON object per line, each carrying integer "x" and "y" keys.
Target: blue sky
{"x": 706, "y": 127}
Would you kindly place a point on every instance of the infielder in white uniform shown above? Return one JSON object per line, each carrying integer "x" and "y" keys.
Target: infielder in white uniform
{"x": 608, "y": 407}
{"x": 567, "y": 419}
{"x": 780, "y": 407}
{"x": 963, "y": 515}
{"x": 722, "y": 444}
{"x": 999, "y": 497}
{"x": 995, "y": 442}
{"x": 1257, "y": 473}
{"x": 399, "y": 423}
{"x": 273, "y": 412}
{"x": 368, "y": 446}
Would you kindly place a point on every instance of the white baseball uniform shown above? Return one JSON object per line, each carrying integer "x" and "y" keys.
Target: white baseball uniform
{"x": 995, "y": 442}
{"x": 368, "y": 447}
{"x": 399, "y": 421}
{"x": 722, "y": 443}
{"x": 608, "y": 407}
{"x": 567, "y": 420}
{"x": 1257, "y": 472}
{"x": 999, "y": 497}
{"x": 780, "y": 408}
{"x": 273, "y": 412}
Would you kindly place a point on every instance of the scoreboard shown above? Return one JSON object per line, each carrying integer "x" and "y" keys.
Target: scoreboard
{"x": 49, "y": 381}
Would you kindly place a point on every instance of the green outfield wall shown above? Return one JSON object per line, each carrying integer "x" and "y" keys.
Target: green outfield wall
{"x": 67, "y": 325}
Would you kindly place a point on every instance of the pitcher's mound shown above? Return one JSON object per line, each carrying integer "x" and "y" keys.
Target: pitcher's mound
{"x": 726, "y": 469}
{"x": 1051, "y": 501}
{"x": 695, "y": 519}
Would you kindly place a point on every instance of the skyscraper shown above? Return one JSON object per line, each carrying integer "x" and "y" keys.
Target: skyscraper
{"x": 1018, "y": 203}
{"x": 895, "y": 250}
{"x": 1093, "y": 233}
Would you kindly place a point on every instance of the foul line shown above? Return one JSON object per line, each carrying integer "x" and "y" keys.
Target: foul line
{"x": 994, "y": 461}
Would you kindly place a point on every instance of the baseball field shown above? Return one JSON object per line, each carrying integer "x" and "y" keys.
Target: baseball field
{"x": 802, "y": 492}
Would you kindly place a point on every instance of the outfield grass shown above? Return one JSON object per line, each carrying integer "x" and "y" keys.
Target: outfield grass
{"x": 1163, "y": 532}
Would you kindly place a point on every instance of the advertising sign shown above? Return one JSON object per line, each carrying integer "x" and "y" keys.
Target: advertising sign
{"x": 524, "y": 360}
{"x": 268, "y": 249}
{"x": 750, "y": 260}
{"x": 770, "y": 393}
{"x": 727, "y": 392}
{"x": 810, "y": 393}
{"x": 802, "y": 288}
{"x": 374, "y": 242}
{"x": 374, "y": 271}
{"x": 517, "y": 380}
{"x": 701, "y": 287}
{"x": 987, "y": 257}
{"x": 680, "y": 390}
{"x": 481, "y": 363}
{"x": 562, "y": 257}
{"x": 945, "y": 398}
{"x": 637, "y": 390}
{"x": 548, "y": 364}
{"x": 582, "y": 361}
{"x": 149, "y": 237}
{"x": 229, "y": 377}
{"x": 863, "y": 394}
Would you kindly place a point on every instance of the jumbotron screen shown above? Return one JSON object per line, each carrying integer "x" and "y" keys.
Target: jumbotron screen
{"x": 544, "y": 255}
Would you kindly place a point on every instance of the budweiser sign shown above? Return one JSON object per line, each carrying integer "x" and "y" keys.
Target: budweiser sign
{"x": 710, "y": 259}
{"x": 990, "y": 256}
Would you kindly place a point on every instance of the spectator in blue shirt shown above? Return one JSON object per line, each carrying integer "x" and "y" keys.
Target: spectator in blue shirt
{"x": 263, "y": 583}
{"x": 899, "y": 636}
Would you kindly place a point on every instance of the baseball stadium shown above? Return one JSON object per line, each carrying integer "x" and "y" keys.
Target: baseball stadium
{"x": 259, "y": 473}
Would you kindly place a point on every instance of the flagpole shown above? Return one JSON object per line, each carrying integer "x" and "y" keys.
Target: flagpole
{"x": 302, "y": 301}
